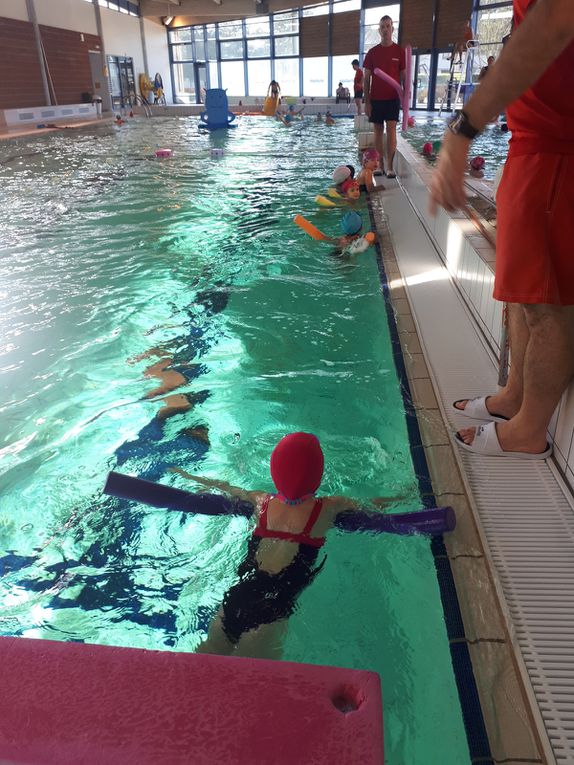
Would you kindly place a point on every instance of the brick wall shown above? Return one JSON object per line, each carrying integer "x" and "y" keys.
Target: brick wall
{"x": 21, "y": 83}
{"x": 452, "y": 18}
{"x": 68, "y": 62}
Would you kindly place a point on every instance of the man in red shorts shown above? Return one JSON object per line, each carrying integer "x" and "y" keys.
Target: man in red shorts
{"x": 358, "y": 85}
{"x": 382, "y": 103}
{"x": 534, "y": 77}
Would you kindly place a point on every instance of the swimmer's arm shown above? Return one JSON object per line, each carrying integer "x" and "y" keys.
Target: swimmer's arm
{"x": 222, "y": 486}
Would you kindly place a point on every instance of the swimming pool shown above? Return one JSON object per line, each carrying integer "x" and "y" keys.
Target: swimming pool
{"x": 109, "y": 253}
{"x": 492, "y": 144}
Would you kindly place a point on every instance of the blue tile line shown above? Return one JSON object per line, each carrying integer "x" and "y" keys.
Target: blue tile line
{"x": 477, "y": 737}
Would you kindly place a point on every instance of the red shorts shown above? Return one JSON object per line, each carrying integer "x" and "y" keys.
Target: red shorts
{"x": 535, "y": 231}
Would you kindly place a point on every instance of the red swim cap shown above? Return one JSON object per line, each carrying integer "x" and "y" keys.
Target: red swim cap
{"x": 297, "y": 465}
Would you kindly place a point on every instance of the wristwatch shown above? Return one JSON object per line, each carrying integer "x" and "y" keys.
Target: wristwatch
{"x": 460, "y": 125}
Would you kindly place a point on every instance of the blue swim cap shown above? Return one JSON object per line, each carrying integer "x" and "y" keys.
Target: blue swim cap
{"x": 351, "y": 223}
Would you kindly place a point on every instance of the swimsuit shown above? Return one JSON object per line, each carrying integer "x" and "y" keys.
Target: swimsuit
{"x": 261, "y": 597}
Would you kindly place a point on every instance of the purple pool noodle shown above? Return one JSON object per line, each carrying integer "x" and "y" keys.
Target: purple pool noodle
{"x": 159, "y": 495}
{"x": 435, "y": 520}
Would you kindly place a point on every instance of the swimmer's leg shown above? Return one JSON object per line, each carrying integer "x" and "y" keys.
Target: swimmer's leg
{"x": 264, "y": 642}
{"x": 217, "y": 641}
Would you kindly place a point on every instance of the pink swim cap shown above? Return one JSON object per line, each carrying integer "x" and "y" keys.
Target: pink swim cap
{"x": 371, "y": 154}
{"x": 427, "y": 149}
{"x": 297, "y": 464}
{"x": 477, "y": 163}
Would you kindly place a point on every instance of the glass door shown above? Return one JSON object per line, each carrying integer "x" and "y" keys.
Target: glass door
{"x": 421, "y": 81}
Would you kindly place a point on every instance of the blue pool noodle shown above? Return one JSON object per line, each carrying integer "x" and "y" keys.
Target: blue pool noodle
{"x": 432, "y": 521}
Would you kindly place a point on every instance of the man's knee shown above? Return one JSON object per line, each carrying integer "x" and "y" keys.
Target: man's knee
{"x": 544, "y": 317}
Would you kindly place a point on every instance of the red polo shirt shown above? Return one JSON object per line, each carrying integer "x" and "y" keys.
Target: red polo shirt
{"x": 391, "y": 60}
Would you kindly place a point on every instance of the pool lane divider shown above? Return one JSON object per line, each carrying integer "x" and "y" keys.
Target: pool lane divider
{"x": 476, "y": 733}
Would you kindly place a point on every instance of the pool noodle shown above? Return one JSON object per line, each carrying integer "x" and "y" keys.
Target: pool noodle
{"x": 430, "y": 521}
{"x": 403, "y": 94}
{"x": 309, "y": 228}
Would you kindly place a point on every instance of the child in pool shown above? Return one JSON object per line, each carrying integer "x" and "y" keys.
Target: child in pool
{"x": 290, "y": 115}
{"x": 352, "y": 240}
{"x": 341, "y": 174}
{"x": 282, "y": 553}
{"x": 329, "y": 118}
{"x": 370, "y": 165}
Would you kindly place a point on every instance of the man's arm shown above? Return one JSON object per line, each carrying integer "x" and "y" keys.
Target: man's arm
{"x": 536, "y": 42}
{"x": 367, "y": 90}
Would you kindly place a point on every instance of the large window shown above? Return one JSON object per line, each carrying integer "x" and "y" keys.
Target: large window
{"x": 315, "y": 76}
{"x": 184, "y": 81}
{"x": 287, "y": 75}
{"x": 259, "y": 77}
{"x": 122, "y": 81}
{"x": 233, "y": 77}
{"x": 343, "y": 72}
{"x": 372, "y": 19}
{"x": 123, "y": 6}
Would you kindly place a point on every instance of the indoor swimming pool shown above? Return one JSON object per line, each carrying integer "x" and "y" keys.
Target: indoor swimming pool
{"x": 492, "y": 144}
{"x": 112, "y": 259}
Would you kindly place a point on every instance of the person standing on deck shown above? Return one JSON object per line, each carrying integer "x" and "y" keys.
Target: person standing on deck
{"x": 534, "y": 77}
{"x": 382, "y": 102}
{"x": 358, "y": 86}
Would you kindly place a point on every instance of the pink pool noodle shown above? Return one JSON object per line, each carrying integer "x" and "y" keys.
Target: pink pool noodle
{"x": 164, "y": 153}
{"x": 71, "y": 703}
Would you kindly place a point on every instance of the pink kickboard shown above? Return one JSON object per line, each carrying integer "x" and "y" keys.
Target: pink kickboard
{"x": 71, "y": 703}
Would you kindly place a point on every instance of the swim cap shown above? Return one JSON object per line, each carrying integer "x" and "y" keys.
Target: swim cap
{"x": 341, "y": 174}
{"x": 349, "y": 183}
{"x": 297, "y": 464}
{"x": 477, "y": 163}
{"x": 371, "y": 154}
{"x": 351, "y": 223}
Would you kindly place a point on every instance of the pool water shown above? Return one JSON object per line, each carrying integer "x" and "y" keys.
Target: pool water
{"x": 492, "y": 144}
{"x": 108, "y": 254}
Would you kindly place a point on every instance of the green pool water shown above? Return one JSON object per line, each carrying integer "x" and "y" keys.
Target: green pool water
{"x": 492, "y": 144}
{"x": 108, "y": 253}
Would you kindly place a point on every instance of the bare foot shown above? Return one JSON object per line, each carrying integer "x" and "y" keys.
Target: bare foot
{"x": 510, "y": 439}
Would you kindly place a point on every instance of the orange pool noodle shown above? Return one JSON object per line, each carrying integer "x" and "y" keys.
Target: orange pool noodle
{"x": 309, "y": 228}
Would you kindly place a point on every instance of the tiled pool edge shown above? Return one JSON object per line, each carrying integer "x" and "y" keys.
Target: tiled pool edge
{"x": 481, "y": 650}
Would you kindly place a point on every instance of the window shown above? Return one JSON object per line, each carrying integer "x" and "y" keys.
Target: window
{"x": 182, "y": 52}
{"x": 372, "y": 19}
{"x": 213, "y": 75}
{"x": 316, "y": 10}
{"x": 287, "y": 46}
{"x": 231, "y": 30}
{"x": 259, "y": 77}
{"x": 122, "y": 81}
{"x": 285, "y": 23}
{"x": 180, "y": 35}
{"x": 233, "y": 77}
{"x": 123, "y": 6}
{"x": 346, "y": 5}
{"x": 315, "y": 80}
{"x": 232, "y": 49}
{"x": 343, "y": 72}
{"x": 184, "y": 81}
{"x": 258, "y": 48}
{"x": 256, "y": 27}
{"x": 287, "y": 75}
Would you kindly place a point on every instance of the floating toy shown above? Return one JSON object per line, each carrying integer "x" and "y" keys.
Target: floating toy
{"x": 215, "y": 153}
{"x": 436, "y": 146}
{"x": 163, "y": 153}
{"x": 436, "y": 520}
{"x": 361, "y": 244}
{"x": 427, "y": 149}
{"x": 411, "y": 122}
{"x": 216, "y": 114}
{"x": 309, "y": 228}
{"x": 324, "y": 202}
{"x": 404, "y": 95}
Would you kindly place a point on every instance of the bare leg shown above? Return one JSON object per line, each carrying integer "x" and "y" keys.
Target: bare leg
{"x": 548, "y": 369}
{"x": 265, "y": 642}
{"x": 358, "y": 104}
{"x": 216, "y": 641}
{"x": 379, "y": 130}
{"x": 391, "y": 144}
{"x": 508, "y": 400}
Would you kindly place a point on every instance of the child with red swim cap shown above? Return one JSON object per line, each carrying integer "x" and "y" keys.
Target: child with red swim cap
{"x": 282, "y": 552}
